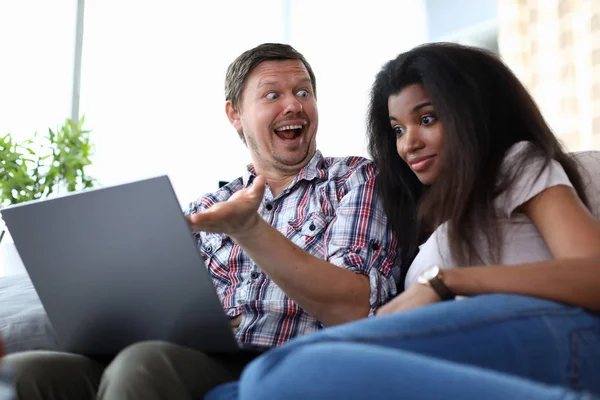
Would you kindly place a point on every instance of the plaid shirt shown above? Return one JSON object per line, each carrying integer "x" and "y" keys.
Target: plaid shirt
{"x": 330, "y": 211}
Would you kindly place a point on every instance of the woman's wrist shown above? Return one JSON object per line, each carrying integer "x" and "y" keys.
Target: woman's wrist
{"x": 471, "y": 281}
{"x": 454, "y": 279}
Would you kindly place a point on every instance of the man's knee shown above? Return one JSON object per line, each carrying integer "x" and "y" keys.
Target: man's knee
{"x": 43, "y": 374}
{"x": 154, "y": 369}
{"x": 138, "y": 358}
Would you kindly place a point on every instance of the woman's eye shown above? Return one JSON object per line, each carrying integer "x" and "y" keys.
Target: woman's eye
{"x": 271, "y": 96}
{"x": 428, "y": 119}
{"x": 398, "y": 130}
{"x": 302, "y": 93}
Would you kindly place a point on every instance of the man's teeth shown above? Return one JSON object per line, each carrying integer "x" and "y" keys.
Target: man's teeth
{"x": 288, "y": 127}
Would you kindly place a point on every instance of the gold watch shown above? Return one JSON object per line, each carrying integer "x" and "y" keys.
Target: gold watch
{"x": 434, "y": 278}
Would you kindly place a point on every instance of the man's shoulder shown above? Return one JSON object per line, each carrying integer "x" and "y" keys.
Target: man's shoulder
{"x": 350, "y": 168}
{"x": 222, "y": 194}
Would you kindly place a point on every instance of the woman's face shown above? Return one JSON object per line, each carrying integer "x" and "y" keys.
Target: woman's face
{"x": 419, "y": 134}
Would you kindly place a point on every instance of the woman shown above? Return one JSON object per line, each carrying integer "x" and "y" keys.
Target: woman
{"x": 467, "y": 160}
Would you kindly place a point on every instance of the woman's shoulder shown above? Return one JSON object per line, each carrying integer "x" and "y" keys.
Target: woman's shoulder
{"x": 519, "y": 148}
{"x": 524, "y": 151}
{"x": 526, "y": 171}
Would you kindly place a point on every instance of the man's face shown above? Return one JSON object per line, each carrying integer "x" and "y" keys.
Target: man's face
{"x": 278, "y": 117}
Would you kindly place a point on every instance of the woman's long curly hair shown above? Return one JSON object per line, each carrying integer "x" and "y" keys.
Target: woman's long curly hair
{"x": 484, "y": 110}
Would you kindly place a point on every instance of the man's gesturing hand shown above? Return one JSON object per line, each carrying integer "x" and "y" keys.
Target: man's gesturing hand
{"x": 234, "y": 217}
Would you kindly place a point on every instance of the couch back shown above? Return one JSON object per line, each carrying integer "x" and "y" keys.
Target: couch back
{"x": 589, "y": 161}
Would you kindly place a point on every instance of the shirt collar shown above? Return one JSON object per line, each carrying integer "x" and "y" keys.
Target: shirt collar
{"x": 316, "y": 168}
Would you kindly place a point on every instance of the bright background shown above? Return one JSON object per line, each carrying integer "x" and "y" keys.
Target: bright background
{"x": 152, "y": 73}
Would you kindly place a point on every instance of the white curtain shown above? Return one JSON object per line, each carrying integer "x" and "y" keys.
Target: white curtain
{"x": 153, "y": 74}
{"x": 37, "y": 39}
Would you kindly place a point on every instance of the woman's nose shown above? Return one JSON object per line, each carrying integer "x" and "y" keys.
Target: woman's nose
{"x": 412, "y": 140}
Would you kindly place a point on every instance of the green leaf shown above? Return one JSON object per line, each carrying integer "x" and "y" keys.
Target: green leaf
{"x": 36, "y": 167}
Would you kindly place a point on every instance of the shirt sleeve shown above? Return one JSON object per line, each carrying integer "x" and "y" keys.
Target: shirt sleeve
{"x": 360, "y": 240}
{"x": 529, "y": 181}
{"x": 201, "y": 204}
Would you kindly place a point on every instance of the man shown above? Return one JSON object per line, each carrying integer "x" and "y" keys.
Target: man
{"x": 296, "y": 244}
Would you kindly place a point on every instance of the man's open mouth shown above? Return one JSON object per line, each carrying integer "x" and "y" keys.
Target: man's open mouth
{"x": 290, "y": 132}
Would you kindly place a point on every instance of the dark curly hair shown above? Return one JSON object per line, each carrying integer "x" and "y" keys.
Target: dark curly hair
{"x": 484, "y": 110}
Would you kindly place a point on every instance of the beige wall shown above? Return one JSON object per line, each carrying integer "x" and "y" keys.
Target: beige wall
{"x": 554, "y": 48}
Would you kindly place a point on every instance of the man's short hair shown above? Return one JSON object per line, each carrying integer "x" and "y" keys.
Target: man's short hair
{"x": 238, "y": 71}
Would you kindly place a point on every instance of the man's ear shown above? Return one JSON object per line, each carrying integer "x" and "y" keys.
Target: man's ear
{"x": 234, "y": 115}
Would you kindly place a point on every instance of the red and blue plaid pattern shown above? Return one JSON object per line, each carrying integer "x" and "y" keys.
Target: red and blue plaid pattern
{"x": 330, "y": 210}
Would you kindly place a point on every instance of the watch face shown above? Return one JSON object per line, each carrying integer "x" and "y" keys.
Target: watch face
{"x": 430, "y": 273}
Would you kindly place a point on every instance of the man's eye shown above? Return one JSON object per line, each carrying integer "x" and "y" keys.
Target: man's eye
{"x": 271, "y": 96}
{"x": 303, "y": 93}
{"x": 428, "y": 119}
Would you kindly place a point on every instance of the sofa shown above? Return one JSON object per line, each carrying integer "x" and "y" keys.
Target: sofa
{"x": 25, "y": 326}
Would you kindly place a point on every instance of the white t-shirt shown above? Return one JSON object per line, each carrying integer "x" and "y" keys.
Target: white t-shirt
{"x": 522, "y": 241}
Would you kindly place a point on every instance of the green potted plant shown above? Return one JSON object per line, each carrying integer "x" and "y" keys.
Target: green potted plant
{"x": 45, "y": 164}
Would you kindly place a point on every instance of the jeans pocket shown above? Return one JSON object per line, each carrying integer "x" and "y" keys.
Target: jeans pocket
{"x": 584, "y": 371}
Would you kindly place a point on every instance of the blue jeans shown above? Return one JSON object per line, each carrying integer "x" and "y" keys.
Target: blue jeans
{"x": 488, "y": 347}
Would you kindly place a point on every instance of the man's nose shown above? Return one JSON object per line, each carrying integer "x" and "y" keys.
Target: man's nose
{"x": 293, "y": 105}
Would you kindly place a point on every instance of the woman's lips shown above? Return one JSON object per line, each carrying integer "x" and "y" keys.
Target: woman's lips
{"x": 421, "y": 164}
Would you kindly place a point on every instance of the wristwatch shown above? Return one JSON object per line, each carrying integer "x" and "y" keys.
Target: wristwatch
{"x": 434, "y": 278}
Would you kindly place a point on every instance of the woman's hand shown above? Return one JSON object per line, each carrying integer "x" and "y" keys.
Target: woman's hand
{"x": 235, "y": 216}
{"x": 416, "y": 296}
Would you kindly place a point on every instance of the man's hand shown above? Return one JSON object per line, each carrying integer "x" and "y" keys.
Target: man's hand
{"x": 416, "y": 296}
{"x": 235, "y": 322}
{"x": 235, "y": 216}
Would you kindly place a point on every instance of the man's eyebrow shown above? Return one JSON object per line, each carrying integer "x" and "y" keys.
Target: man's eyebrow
{"x": 266, "y": 82}
{"x": 270, "y": 83}
{"x": 305, "y": 80}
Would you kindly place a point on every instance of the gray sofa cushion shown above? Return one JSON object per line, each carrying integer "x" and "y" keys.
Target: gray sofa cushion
{"x": 23, "y": 321}
{"x": 589, "y": 161}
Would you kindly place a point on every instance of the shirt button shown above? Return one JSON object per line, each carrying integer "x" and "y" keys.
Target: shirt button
{"x": 269, "y": 207}
{"x": 254, "y": 275}
{"x": 209, "y": 249}
{"x": 312, "y": 227}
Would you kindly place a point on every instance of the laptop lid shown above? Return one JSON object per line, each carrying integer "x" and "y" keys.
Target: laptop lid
{"x": 118, "y": 265}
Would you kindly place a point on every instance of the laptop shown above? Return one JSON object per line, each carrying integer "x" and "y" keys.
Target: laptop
{"x": 117, "y": 265}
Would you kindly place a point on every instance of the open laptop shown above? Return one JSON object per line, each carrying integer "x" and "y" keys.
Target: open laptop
{"x": 118, "y": 265}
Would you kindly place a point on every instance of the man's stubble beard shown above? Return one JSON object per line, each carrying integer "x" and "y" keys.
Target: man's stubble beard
{"x": 281, "y": 163}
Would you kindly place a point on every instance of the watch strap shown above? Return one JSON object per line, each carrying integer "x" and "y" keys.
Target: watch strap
{"x": 438, "y": 285}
